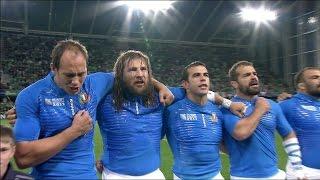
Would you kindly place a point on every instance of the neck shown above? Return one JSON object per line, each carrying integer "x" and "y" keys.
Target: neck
{"x": 201, "y": 100}
{"x": 245, "y": 96}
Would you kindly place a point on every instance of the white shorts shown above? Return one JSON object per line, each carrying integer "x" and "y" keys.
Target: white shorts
{"x": 311, "y": 173}
{"x": 216, "y": 177}
{"x": 279, "y": 175}
{"x": 107, "y": 174}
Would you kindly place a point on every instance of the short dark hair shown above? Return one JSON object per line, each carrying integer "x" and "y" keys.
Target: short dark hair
{"x": 6, "y": 135}
{"x": 185, "y": 73}
{"x": 298, "y": 78}
{"x": 233, "y": 75}
{"x": 62, "y": 46}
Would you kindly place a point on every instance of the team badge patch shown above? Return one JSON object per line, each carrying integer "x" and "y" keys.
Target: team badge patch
{"x": 214, "y": 117}
{"x": 84, "y": 98}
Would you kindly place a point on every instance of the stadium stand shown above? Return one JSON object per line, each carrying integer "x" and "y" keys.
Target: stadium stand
{"x": 26, "y": 58}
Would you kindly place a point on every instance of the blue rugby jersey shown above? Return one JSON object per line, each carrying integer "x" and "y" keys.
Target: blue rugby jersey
{"x": 303, "y": 114}
{"x": 256, "y": 156}
{"x": 131, "y": 137}
{"x": 194, "y": 133}
{"x": 44, "y": 110}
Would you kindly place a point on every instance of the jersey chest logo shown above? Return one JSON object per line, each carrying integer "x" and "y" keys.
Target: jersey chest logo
{"x": 54, "y": 102}
{"x": 188, "y": 117}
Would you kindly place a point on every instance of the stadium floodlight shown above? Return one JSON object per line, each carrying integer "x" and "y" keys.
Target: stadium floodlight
{"x": 312, "y": 20}
{"x": 260, "y": 15}
{"x": 147, "y": 6}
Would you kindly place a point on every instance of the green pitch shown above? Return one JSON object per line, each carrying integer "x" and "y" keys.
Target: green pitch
{"x": 167, "y": 160}
{"x": 166, "y": 155}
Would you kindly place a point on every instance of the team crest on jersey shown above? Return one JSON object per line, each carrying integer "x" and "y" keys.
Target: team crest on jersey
{"x": 54, "y": 102}
{"x": 188, "y": 117}
{"x": 214, "y": 117}
{"x": 84, "y": 98}
{"x": 310, "y": 108}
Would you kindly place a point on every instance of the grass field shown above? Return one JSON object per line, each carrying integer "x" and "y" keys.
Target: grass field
{"x": 166, "y": 155}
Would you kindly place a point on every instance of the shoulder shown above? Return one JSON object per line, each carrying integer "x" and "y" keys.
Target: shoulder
{"x": 33, "y": 91}
{"x": 176, "y": 105}
{"x": 287, "y": 104}
{"x": 100, "y": 76}
{"x": 225, "y": 111}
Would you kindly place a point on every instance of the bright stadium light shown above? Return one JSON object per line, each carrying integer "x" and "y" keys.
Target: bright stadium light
{"x": 147, "y": 6}
{"x": 258, "y": 15}
{"x": 312, "y": 20}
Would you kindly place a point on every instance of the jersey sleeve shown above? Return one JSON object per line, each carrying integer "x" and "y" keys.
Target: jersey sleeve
{"x": 102, "y": 83}
{"x": 286, "y": 107}
{"x": 229, "y": 120}
{"x": 27, "y": 127}
{"x": 178, "y": 92}
{"x": 283, "y": 127}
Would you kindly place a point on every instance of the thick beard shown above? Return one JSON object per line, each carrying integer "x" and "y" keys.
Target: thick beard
{"x": 250, "y": 92}
{"x": 313, "y": 91}
{"x": 136, "y": 92}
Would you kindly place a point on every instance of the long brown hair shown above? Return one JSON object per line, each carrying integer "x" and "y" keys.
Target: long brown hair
{"x": 119, "y": 87}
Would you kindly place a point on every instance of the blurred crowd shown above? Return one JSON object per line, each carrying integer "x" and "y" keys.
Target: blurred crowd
{"x": 26, "y": 58}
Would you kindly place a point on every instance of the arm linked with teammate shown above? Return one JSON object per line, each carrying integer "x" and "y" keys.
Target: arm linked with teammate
{"x": 237, "y": 108}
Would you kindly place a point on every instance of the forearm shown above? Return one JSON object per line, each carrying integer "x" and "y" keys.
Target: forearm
{"x": 289, "y": 136}
{"x": 291, "y": 146}
{"x": 165, "y": 95}
{"x": 246, "y": 126}
{"x": 158, "y": 85}
{"x": 32, "y": 153}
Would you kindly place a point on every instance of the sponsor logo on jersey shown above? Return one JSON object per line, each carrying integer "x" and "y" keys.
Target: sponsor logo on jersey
{"x": 310, "y": 108}
{"x": 54, "y": 102}
{"x": 188, "y": 117}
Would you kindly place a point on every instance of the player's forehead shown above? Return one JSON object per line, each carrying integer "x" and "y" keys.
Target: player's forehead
{"x": 136, "y": 62}
{"x": 241, "y": 70}
{"x": 311, "y": 72}
{"x": 197, "y": 69}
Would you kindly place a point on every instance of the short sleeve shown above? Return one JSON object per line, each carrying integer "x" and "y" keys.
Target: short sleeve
{"x": 27, "y": 127}
{"x": 283, "y": 127}
{"x": 102, "y": 83}
{"x": 229, "y": 120}
{"x": 178, "y": 92}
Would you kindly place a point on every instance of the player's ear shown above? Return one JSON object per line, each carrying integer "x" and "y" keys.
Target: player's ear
{"x": 53, "y": 69}
{"x": 301, "y": 86}
{"x": 234, "y": 84}
{"x": 185, "y": 84}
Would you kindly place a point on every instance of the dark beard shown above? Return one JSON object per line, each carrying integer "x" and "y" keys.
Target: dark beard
{"x": 313, "y": 91}
{"x": 133, "y": 92}
{"x": 315, "y": 94}
{"x": 248, "y": 91}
